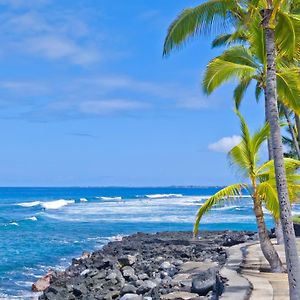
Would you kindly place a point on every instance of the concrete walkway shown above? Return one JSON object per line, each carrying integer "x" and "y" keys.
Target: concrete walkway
{"x": 265, "y": 285}
{"x": 237, "y": 287}
{"x": 249, "y": 277}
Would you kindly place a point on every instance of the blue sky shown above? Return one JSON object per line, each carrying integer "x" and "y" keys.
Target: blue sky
{"x": 87, "y": 99}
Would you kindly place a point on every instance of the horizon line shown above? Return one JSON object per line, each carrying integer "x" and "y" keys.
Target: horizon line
{"x": 117, "y": 186}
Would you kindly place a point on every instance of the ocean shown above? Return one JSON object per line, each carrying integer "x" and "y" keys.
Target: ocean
{"x": 44, "y": 228}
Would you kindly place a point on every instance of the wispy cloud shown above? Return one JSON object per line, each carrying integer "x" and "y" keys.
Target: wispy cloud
{"x": 104, "y": 107}
{"x": 97, "y": 96}
{"x": 59, "y": 35}
{"x": 225, "y": 144}
{"x": 55, "y": 47}
{"x": 173, "y": 92}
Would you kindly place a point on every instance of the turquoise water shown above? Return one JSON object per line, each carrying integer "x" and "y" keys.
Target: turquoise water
{"x": 43, "y": 228}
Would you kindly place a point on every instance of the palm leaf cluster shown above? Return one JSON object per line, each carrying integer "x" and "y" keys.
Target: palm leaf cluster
{"x": 262, "y": 181}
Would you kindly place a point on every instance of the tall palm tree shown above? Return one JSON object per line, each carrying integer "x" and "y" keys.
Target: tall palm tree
{"x": 248, "y": 64}
{"x": 270, "y": 14}
{"x": 262, "y": 186}
{"x": 278, "y": 16}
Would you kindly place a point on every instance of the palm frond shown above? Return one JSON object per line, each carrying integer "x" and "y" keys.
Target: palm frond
{"x": 288, "y": 35}
{"x": 227, "y": 39}
{"x": 229, "y": 192}
{"x": 258, "y": 91}
{"x": 259, "y": 137}
{"x": 256, "y": 39}
{"x": 242, "y": 155}
{"x": 236, "y": 62}
{"x": 288, "y": 87}
{"x": 213, "y": 15}
{"x": 240, "y": 90}
{"x": 268, "y": 193}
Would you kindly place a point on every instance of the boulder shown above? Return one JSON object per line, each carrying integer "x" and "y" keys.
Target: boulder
{"x": 146, "y": 286}
{"x": 297, "y": 229}
{"x": 131, "y": 297}
{"x": 42, "y": 284}
{"x": 129, "y": 273}
{"x": 128, "y": 289}
{"x": 179, "y": 295}
{"x": 204, "y": 282}
{"x": 127, "y": 260}
{"x": 143, "y": 276}
{"x": 166, "y": 265}
{"x": 85, "y": 255}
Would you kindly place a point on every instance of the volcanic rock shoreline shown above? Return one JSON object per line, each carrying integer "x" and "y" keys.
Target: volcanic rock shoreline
{"x": 167, "y": 265}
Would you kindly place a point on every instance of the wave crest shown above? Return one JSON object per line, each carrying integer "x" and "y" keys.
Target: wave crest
{"x": 161, "y": 196}
{"x": 56, "y": 204}
{"x": 110, "y": 198}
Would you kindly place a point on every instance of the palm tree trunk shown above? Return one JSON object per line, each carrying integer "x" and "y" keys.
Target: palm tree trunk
{"x": 270, "y": 150}
{"x": 266, "y": 245}
{"x": 278, "y": 227}
{"x": 297, "y": 119}
{"x": 285, "y": 207}
{"x": 287, "y": 116}
{"x": 278, "y": 232}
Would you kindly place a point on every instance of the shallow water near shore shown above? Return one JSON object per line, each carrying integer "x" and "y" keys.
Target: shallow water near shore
{"x": 43, "y": 228}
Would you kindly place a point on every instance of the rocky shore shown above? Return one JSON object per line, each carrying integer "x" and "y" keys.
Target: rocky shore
{"x": 168, "y": 265}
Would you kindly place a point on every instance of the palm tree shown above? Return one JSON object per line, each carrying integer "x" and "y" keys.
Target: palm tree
{"x": 248, "y": 64}
{"x": 281, "y": 17}
{"x": 270, "y": 14}
{"x": 262, "y": 186}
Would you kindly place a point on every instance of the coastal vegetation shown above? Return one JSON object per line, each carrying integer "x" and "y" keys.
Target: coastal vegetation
{"x": 261, "y": 186}
{"x": 268, "y": 34}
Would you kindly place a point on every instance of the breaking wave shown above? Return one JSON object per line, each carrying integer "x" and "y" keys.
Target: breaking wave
{"x": 109, "y": 198}
{"x": 161, "y": 196}
{"x": 56, "y": 204}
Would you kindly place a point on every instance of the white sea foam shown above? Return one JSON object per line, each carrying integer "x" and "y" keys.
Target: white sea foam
{"x": 56, "y": 204}
{"x": 14, "y": 224}
{"x": 160, "y": 196}
{"x": 226, "y": 207}
{"x": 24, "y": 283}
{"x": 32, "y": 218}
{"x": 29, "y": 204}
{"x": 110, "y": 198}
{"x": 266, "y": 212}
{"x": 117, "y": 238}
{"x": 83, "y": 200}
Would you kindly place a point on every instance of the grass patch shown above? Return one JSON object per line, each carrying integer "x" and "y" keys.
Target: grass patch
{"x": 296, "y": 219}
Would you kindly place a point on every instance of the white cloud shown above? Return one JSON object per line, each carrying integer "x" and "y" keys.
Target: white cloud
{"x": 58, "y": 35}
{"x": 193, "y": 102}
{"x": 225, "y": 144}
{"x": 99, "y": 95}
{"x": 182, "y": 97}
{"x": 55, "y": 47}
{"x": 108, "y": 106}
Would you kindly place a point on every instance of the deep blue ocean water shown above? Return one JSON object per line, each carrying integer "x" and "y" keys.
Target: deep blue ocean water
{"x": 43, "y": 228}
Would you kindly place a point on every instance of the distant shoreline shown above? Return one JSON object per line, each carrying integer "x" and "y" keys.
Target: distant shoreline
{"x": 119, "y": 187}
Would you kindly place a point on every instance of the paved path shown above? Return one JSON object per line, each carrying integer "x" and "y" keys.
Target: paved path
{"x": 266, "y": 285}
{"x": 249, "y": 277}
{"x": 237, "y": 287}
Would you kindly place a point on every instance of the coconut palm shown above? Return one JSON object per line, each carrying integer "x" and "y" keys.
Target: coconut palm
{"x": 262, "y": 186}
{"x": 248, "y": 64}
{"x": 271, "y": 13}
{"x": 280, "y": 17}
